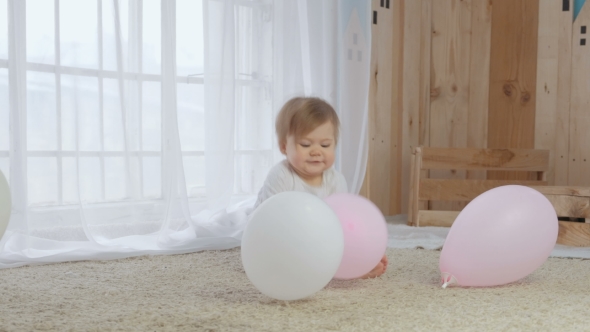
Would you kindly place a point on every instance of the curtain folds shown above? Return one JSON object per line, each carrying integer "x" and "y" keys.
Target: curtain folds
{"x": 155, "y": 138}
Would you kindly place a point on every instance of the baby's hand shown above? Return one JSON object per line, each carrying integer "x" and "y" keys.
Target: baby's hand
{"x": 378, "y": 270}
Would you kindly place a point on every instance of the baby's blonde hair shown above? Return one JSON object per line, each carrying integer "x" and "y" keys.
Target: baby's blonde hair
{"x": 301, "y": 115}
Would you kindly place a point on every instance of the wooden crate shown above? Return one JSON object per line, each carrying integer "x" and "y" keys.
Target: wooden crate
{"x": 572, "y": 202}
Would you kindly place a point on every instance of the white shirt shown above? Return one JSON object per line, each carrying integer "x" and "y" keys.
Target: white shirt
{"x": 283, "y": 178}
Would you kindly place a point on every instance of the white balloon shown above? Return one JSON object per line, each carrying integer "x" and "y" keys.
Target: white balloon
{"x": 5, "y": 204}
{"x": 292, "y": 246}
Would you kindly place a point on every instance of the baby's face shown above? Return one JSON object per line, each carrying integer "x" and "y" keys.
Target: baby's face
{"x": 313, "y": 153}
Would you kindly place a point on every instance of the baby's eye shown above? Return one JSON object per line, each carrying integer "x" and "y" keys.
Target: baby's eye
{"x": 304, "y": 145}
{"x": 325, "y": 145}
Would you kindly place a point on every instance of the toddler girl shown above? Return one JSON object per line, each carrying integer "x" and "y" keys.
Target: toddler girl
{"x": 307, "y": 131}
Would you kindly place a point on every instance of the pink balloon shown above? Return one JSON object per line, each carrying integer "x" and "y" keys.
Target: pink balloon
{"x": 365, "y": 234}
{"x": 501, "y": 236}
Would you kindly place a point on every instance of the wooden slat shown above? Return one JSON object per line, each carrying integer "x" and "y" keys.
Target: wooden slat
{"x": 574, "y": 234}
{"x": 409, "y": 121}
{"x": 479, "y": 78}
{"x": 513, "y": 71}
{"x": 451, "y": 21}
{"x": 570, "y": 206}
{"x": 564, "y": 81}
{"x": 425, "y": 77}
{"x": 425, "y": 67}
{"x": 436, "y": 218}
{"x": 547, "y": 73}
{"x": 395, "y": 169}
{"x": 485, "y": 159}
{"x": 413, "y": 202}
{"x": 570, "y": 233}
{"x": 449, "y": 98}
{"x": 579, "y": 145}
{"x": 564, "y": 190}
{"x": 414, "y": 187}
{"x": 463, "y": 190}
{"x": 380, "y": 107}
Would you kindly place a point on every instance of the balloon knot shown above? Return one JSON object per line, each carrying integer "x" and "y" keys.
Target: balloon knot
{"x": 448, "y": 279}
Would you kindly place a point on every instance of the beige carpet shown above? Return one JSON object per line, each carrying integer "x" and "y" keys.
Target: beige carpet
{"x": 209, "y": 291}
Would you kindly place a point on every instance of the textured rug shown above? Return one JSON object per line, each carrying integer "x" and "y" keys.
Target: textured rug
{"x": 209, "y": 291}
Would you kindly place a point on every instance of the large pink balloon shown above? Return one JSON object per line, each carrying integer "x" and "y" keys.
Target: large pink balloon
{"x": 500, "y": 237}
{"x": 365, "y": 234}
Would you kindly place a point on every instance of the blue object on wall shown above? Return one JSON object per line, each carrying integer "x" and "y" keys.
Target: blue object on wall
{"x": 577, "y": 7}
{"x": 346, "y": 7}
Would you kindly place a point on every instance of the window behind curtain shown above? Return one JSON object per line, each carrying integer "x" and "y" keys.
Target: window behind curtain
{"x": 78, "y": 111}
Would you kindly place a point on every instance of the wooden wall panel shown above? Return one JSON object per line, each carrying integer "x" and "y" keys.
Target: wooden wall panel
{"x": 513, "y": 71}
{"x": 564, "y": 77}
{"x": 479, "y": 78}
{"x": 410, "y": 113}
{"x": 477, "y": 73}
{"x": 547, "y": 73}
{"x": 425, "y": 77}
{"x": 449, "y": 81}
{"x": 425, "y": 72}
{"x": 395, "y": 193}
{"x": 449, "y": 73}
{"x": 579, "y": 151}
{"x": 380, "y": 97}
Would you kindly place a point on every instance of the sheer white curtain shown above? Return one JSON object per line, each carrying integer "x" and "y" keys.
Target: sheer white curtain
{"x": 131, "y": 127}
{"x": 323, "y": 48}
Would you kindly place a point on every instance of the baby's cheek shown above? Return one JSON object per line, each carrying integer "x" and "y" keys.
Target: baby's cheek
{"x": 330, "y": 155}
{"x": 298, "y": 159}
{"x": 329, "y": 161}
